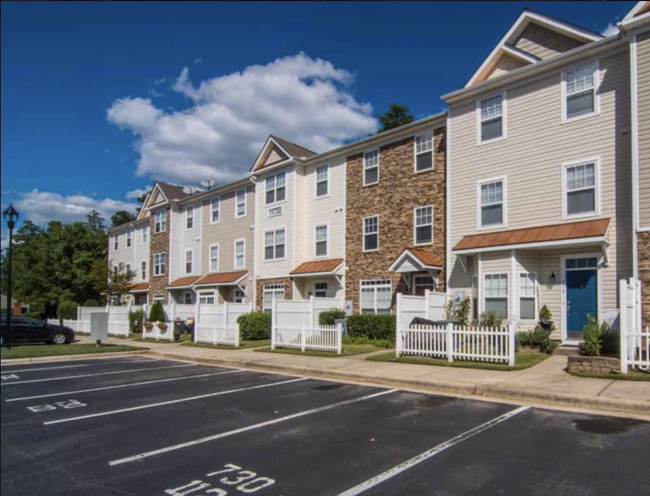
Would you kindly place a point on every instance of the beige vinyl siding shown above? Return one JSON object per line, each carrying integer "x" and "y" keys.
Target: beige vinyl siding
{"x": 643, "y": 88}
{"x": 504, "y": 65}
{"x": 532, "y": 155}
{"x": 544, "y": 43}
{"x": 305, "y": 286}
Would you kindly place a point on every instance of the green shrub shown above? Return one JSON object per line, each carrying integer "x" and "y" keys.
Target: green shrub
{"x": 91, "y": 303}
{"x": 329, "y": 317}
{"x": 136, "y": 319}
{"x": 255, "y": 326}
{"x": 67, "y": 310}
{"x": 490, "y": 319}
{"x": 592, "y": 342}
{"x": 372, "y": 326}
{"x": 546, "y": 319}
{"x": 538, "y": 338}
{"x": 458, "y": 313}
{"x": 610, "y": 338}
{"x": 157, "y": 313}
{"x": 379, "y": 343}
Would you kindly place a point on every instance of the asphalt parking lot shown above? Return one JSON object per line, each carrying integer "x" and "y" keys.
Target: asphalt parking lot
{"x": 140, "y": 426}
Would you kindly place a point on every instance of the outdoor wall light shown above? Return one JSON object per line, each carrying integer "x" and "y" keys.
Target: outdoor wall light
{"x": 553, "y": 277}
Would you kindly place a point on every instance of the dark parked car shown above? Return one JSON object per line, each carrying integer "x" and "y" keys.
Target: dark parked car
{"x": 26, "y": 330}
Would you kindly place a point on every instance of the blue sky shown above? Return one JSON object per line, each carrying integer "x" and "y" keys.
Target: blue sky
{"x": 93, "y": 108}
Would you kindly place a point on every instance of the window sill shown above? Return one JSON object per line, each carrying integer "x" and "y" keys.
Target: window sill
{"x": 424, "y": 171}
{"x": 489, "y": 142}
{"x": 275, "y": 204}
{"x": 569, "y": 120}
{"x": 492, "y": 227}
{"x": 322, "y": 197}
{"x": 586, "y": 215}
{"x": 371, "y": 184}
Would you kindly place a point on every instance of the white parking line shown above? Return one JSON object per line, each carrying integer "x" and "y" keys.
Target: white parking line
{"x": 172, "y": 402}
{"x": 390, "y": 473}
{"x": 121, "y": 386}
{"x": 98, "y": 374}
{"x": 98, "y": 361}
{"x": 208, "y": 439}
{"x": 45, "y": 368}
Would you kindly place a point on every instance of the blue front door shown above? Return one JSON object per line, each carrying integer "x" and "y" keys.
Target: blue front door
{"x": 581, "y": 300}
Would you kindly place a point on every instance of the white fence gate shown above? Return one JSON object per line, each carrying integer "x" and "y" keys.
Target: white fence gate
{"x": 217, "y": 324}
{"x": 635, "y": 342}
{"x": 431, "y": 306}
{"x": 295, "y": 325}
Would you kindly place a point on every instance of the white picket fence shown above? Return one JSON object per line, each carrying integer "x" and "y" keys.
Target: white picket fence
{"x": 158, "y": 334}
{"x": 431, "y": 306}
{"x": 635, "y": 342}
{"x": 319, "y": 338}
{"x": 217, "y": 324}
{"x": 483, "y": 344}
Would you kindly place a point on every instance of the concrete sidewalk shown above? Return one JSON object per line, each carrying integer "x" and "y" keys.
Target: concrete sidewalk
{"x": 546, "y": 384}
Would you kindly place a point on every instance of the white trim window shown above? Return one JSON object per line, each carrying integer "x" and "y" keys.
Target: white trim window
{"x": 274, "y": 247}
{"x": 320, "y": 290}
{"x": 491, "y": 118}
{"x": 371, "y": 233}
{"x": 159, "y": 264}
{"x": 215, "y": 210}
{"x": 159, "y": 297}
{"x": 322, "y": 181}
{"x": 207, "y": 297}
{"x": 371, "y": 167}
{"x": 129, "y": 238}
{"x": 240, "y": 198}
{"x": 187, "y": 298}
{"x": 214, "y": 257}
{"x": 143, "y": 270}
{"x": 240, "y": 253}
{"x": 376, "y": 296}
{"x": 492, "y": 212}
{"x": 423, "y": 282}
{"x": 145, "y": 235}
{"x": 424, "y": 152}
{"x": 581, "y": 189}
{"x": 423, "y": 229}
{"x": 321, "y": 237}
{"x": 580, "y": 92}
{"x": 495, "y": 294}
{"x": 189, "y": 217}
{"x": 116, "y": 242}
{"x": 189, "y": 261}
{"x": 272, "y": 291}
{"x": 276, "y": 188}
{"x": 160, "y": 221}
{"x": 527, "y": 296}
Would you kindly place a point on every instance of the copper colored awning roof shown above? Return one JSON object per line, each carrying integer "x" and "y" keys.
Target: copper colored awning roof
{"x": 576, "y": 231}
{"x": 139, "y": 287}
{"x": 222, "y": 279}
{"x": 425, "y": 257}
{"x": 183, "y": 282}
{"x": 417, "y": 259}
{"x": 319, "y": 267}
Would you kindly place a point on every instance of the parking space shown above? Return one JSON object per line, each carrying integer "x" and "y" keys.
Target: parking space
{"x": 146, "y": 427}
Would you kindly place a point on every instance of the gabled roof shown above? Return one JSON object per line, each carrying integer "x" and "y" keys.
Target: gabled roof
{"x": 507, "y": 45}
{"x": 638, "y": 10}
{"x": 417, "y": 259}
{"x": 277, "y": 150}
{"x": 320, "y": 267}
{"x": 163, "y": 193}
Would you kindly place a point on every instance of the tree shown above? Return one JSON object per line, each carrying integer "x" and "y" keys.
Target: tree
{"x": 395, "y": 116}
{"x": 112, "y": 283}
{"x": 121, "y": 217}
{"x": 96, "y": 221}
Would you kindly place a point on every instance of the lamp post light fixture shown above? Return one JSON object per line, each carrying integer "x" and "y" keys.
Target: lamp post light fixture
{"x": 11, "y": 217}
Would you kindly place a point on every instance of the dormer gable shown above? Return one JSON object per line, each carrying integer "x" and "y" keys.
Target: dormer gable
{"x": 638, "y": 10}
{"x": 277, "y": 150}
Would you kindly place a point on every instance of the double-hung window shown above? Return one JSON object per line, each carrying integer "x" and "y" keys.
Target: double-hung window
{"x": 240, "y": 253}
{"x": 215, "y": 208}
{"x": 274, "y": 245}
{"x": 371, "y": 167}
{"x": 272, "y": 291}
{"x": 189, "y": 217}
{"x": 581, "y": 189}
{"x": 322, "y": 180}
{"x": 424, "y": 152}
{"x": 145, "y": 235}
{"x": 116, "y": 242}
{"x": 214, "y": 258}
{"x": 189, "y": 258}
{"x": 371, "y": 233}
{"x": 527, "y": 296}
{"x": 321, "y": 240}
{"x": 187, "y": 298}
{"x": 376, "y": 296}
{"x": 159, "y": 264}
{"x": 241, "y": 203}
{"x": 492, "y": 204}
{"x": 129, "y": 235}
{"x": 276, "y": 188}
{"x": 580, "y": 94}
{"x": 143, "y": 270}
{"x": 320, "y": 290}
{"x": 496, "y": 294}
{"x": 491, "y": 118}
{"x": 160, "y": 221}
{"x": 424, "y": 225}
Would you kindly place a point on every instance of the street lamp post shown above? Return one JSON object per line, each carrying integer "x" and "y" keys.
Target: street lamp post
{"x": 11, "y": 217}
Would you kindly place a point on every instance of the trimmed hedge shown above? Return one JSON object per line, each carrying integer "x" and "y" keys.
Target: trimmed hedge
{"x": 372, "y": 326}
{"x": 255, "y": 326}
{"x": 157, "y": 313}
{"x": 329, "y": 317}
{"x": 136, "y": 319}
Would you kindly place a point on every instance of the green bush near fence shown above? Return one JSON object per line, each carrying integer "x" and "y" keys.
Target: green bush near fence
{"x": 157, "y": 313}
{"x": 67, "y": 310}
{"x": 372, "y": 326}
{"x": 136, "y": 318}
{"x": 329, "y": 317}
{"x": 255, "y": 326}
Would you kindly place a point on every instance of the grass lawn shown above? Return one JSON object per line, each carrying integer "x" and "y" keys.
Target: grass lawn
{"x": 348, "y": 350}
{"x": 242, "y": 345}
{"x": 523, "y": 360}
{"x": 68, "y": 349}
{"x": 630, "y": 376}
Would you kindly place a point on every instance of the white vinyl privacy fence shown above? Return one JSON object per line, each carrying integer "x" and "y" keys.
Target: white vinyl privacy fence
{"x": 217, "y": 324}
{"x": 431, "y": 306}
{"x": 635, "y": 341}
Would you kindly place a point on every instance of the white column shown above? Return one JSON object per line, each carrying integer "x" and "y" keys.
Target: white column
{"x": 450, "y": 342}
{"x": 398, "y": 326}
{"x": 625, "y": 324}
{"x": 312, "y": 312}
{"x": 511, "y": 345}
{"x": 274, "y": 313}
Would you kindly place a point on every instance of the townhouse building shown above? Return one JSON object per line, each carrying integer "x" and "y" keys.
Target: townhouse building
{"x": 540, "y": 176}
{"x": 128, "y": 250}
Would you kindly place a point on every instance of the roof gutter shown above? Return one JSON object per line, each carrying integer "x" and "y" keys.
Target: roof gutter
{"x": 220, "y": 189}
{"x": 596, "y": 240}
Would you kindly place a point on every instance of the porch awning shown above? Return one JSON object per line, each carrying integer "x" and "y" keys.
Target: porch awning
{"x": 183, "y": 282}
{"x": 317, "y": 268}
{"x": 222, "y": 279}
{"x": 141, "y": 287}
{"x": 590, "y": 232}
{"x": 415, "y": 260}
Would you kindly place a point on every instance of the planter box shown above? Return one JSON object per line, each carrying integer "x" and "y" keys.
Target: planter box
{"x": 594, "y": 365}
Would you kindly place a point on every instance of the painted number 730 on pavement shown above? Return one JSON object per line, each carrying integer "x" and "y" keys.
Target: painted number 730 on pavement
{"x": 244, "y": 481}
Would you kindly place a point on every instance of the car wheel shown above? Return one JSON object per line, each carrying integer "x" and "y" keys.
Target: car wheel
{"x": 59, "y": 338}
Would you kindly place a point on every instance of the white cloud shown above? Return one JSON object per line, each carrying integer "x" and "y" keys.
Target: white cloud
{"x": 41, "y": 207}
{"x": 305, "y": 100}
{"x": 610, "y": 30}
{"x": 137, "y": 193}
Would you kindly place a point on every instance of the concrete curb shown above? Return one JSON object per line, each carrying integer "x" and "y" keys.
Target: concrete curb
{"x": 613, "y": 405}
{"x": 65, "y": 358}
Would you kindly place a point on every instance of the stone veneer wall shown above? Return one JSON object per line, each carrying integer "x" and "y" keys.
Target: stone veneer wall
{"x": 644, "y": 274}
{"x": 288, "y": 290}
{"x": 159, "y": 243}
{"x": 394, "y": 198}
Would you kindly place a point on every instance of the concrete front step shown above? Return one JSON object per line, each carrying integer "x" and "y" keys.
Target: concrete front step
{"x": 567, "y": 350}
